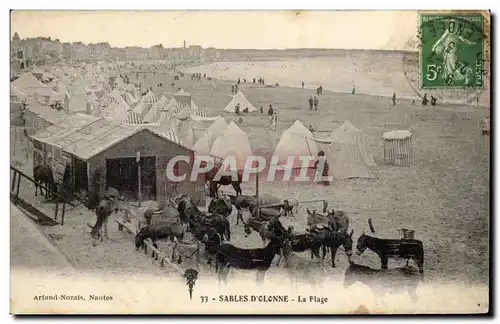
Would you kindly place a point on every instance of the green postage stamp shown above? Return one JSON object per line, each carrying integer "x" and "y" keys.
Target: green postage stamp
{"x": 452, "y": 53}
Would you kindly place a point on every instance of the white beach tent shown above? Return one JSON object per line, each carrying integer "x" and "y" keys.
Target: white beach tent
{"x": 233, "y": 143}
{"x": 296, "y": 141}
{"x": 348, "y": 132}
{"x": 346, "y": 154}
{"x": 242, "y": 100}
{"x": 204, "y": 144}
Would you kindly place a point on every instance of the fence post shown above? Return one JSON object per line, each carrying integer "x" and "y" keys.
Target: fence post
{"x": 18, "y": 184}
{"x": 56, "y": 210}
{"x": 63, "y": 212}
{"x": 198, "y": 256}
{"x": 13, "y": 186}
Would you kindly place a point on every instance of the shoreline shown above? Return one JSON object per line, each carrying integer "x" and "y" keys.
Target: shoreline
{"x": 187, "y": 69}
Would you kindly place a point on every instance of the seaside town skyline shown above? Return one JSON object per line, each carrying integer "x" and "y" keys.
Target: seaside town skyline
{"x": 259, "y": 30}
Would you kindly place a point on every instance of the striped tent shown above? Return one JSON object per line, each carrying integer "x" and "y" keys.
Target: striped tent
{"x": 133, "y": 118}
{"x": 197, "y": 111}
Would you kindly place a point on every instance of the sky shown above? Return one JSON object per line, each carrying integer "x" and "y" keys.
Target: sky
{"x": 388, "y": 30}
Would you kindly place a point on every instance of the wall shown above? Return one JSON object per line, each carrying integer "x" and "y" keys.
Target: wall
{"x": 148, "y": 144}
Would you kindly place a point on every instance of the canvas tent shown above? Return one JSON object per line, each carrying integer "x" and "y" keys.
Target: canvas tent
{"x": 242, "y": 100}
{"x": 233, "y": 143}
{"x": 296, "y": 141}
{"x": 349, "y": 153}
{"x": 204, "y": 143}
{"x": 347, "y": 132}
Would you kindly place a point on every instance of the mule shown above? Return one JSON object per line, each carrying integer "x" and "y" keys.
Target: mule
{"x": 224, "y": 180}
{"x": 103, "y": 210}
{"x": 332, "y": 240}
{"x": 190, "y": 211}
{"x": 260, "y": 227}
{"x": 43, "y": 175}
{"x": 382, "y": 281}
{"x": 393, "y": 249}
{"x": 221, "y": 206}
{"x": 159, "y": 230}
{"x": 228, "y": 256}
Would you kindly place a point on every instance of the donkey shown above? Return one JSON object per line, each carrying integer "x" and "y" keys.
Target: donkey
{"x": 333, "y": 239}
{"x": 229, "y": 256}
{"x": 394, "y": 249}
{"x": 382, "y": 281}
{"x": 43, "y": 175}
{"x": 224, "y": 180}
{"x": 100, "y": 229}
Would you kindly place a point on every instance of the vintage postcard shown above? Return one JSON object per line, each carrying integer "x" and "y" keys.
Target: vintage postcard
{"x": 250, "y": 162}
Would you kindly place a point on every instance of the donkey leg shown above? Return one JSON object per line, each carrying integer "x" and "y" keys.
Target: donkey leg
{"x": 106, "y": 228}
{"x": 384, "y": 262}
{"x": 334, "y": 253}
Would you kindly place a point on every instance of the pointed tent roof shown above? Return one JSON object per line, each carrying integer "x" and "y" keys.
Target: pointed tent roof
{"x": 295, "y": 141}
{"x": 233, "y": 143}
{"x": 347, "y": 133}
{"x": 27, "y": 81}
{"x": 115, "y": 112}
{"x": 242, "y": 100}
{"x": 204, "y": 143}
{"x": 349, "y": 152}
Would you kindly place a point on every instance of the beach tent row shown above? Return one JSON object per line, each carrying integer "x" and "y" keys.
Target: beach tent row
{"x": 347, "y": 149}
{"x": 223, "y": 141}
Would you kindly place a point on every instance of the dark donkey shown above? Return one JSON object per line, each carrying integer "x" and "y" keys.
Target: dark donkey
{"x": 214, "y": 182}
{"x": 100, "y": 228}
{"x": 229, "y": 255}
{"x": 333, "y": 239}
{"x": 42, "y": 173}
{"x": 188, "y": 210}
{"x": 394, "y": 249}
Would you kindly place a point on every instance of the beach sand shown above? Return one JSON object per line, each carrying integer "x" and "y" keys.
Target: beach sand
{"x": 443, "y": 196}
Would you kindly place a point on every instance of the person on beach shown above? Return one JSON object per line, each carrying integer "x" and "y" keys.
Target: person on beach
{"x": 237, "y": 109}
{"x": 253, "y": 80}
{"x": 302, "y": 84}
{"x": 311, "y": 129}
{"x": 324, "y": 168}
{"x": 270, "y": 112}
{"x": 274, "y": 121}
{"x": 394, "y": 99}
{"x": 235, "y": 89}
{"x": 433, "y": 101}
{"x": 425, "y": 100}
{"x": 261, "y": 110}
{"x": 232, "y": 89}
{"x": 311, "y": 103}
{"x": 353, "y": 89}
{"x": 316, "y": 102}
{"x": 239, "y": 81}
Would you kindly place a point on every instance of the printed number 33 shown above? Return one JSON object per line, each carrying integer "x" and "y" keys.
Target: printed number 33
{"x": 432, "y": 72}
{"x": 204, "y": 299}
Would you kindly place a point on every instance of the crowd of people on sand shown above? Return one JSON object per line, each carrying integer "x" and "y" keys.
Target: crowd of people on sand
{"x": 197, "y": 76}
